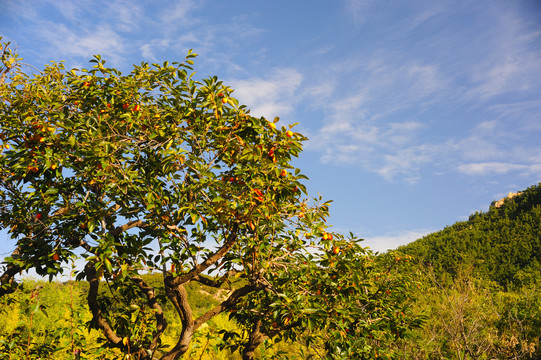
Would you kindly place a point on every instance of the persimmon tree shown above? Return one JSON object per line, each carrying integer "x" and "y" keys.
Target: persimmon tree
{"x": 155, "y": 171}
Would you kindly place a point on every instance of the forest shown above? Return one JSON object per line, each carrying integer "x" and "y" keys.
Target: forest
{"x": 164, "y": 221}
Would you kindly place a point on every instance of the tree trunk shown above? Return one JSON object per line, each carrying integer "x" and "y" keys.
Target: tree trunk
{"x": 256, "y": 338}
{"x": 179, "y": 297}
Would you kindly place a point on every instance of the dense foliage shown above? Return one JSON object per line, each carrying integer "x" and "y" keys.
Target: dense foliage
{"x": 503, "y": 244}
{"x": 472, "y": 318}
{"x": 481, "y": 285}
{"x": 467, "y": 319}
{"x": 158, "y": 172}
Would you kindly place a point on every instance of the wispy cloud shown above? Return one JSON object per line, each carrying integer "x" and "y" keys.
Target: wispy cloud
{"x": 358, "y": 10}
{"x": 428, "y": 12}
{"x": 103, "y": 40}
{"x": 176, "y": 13}
{"x": 405, "y": 163}
{"x": 489, "y": 75}
{"x": 510, "y": 60}
{"x": 181, "y": 26}
{"x": 148, "y": 50}
{"x": 489, "y": 168}
{"x": 387, "y": 149}
{"x": 273, "y": 95}
{"x": 506, "y": 144}
{"x": 394, "y": 240}
{"x": 362, "y": 128}
{"x": 71, "y": 10}
{"x": 126, "y": 15}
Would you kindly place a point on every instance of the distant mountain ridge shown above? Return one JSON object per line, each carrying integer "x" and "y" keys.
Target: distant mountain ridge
{"x": 503, "y": 244}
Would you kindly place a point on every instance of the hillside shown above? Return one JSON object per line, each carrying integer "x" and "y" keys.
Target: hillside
{"x": 503, "y": 244}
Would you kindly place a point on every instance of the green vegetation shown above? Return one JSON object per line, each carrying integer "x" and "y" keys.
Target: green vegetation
{"x": 471, "y": 318}
{"x": 51, "y": 320}
{"x": 503, "y": 245}
{"x": 481, "y": 284}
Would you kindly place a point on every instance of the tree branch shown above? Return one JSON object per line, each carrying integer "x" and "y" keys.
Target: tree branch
{"x": 7, "y": 285}
{"x": 92, "y": 300}
{"x": 214, "y": 283}
{"x": 255, "y": 339}
{"x": 161, "y": 322}
{"x": 120, "y": 229}
{"x": 198, "y": 269}
{"x": 226, "y": 304}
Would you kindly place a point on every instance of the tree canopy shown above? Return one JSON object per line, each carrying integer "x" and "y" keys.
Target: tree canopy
{"x": 159, "y": 172}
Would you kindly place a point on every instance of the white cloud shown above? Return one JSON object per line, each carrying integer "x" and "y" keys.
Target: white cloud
{"x": 349, "y": 104}
{"x": 364, "y": 123}
{"x": 272, "y": 96}
{"x": 70, "y": 9}
{"x": 388, "y": 150}
{"x": 425, "y": 80}
{"x": 511, "y": 63}
{"x": 525, "y": 114}
{"x": 429, "y": 11}
{"x": 394, "y": 240}
{"x": 404, "y": 162}
{"x": 480, "y": 148}
{"x": 497, "y": 80}
{"x": 120, "y": 15}
{"x": 103, "y": 41}
{"x": 449, "y": 72}
{"x": 361, "y": 126}
{"x": 148, "y": 50}
{"x": 385, "y": 83}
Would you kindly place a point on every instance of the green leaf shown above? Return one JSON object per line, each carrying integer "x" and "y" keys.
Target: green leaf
{"x": 108, "y": 266}
{"x": 91, "y": 225}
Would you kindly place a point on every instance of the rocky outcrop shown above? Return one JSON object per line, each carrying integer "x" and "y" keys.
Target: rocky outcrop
{"x": 500, "y": 202}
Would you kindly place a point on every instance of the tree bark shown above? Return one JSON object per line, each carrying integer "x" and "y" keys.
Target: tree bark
{"x": 256, "y": 338}
{"x": 179, "y": 298}
{"x": 7, "y": 285}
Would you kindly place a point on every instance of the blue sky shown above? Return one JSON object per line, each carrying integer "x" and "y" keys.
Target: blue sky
{"x": 419, "y": 113}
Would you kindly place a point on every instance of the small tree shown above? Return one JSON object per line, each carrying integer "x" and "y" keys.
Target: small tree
{"x": 157, "y": 172}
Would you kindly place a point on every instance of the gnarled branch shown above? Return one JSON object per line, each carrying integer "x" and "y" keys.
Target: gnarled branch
{"x": 92, "y": 299}
{"x": 198, "y": 269}
{"x": 255, "y": 339}
{"x": 179, "y": 298}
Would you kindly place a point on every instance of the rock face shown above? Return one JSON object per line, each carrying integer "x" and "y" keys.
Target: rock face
{"x": 500, "y": 202}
